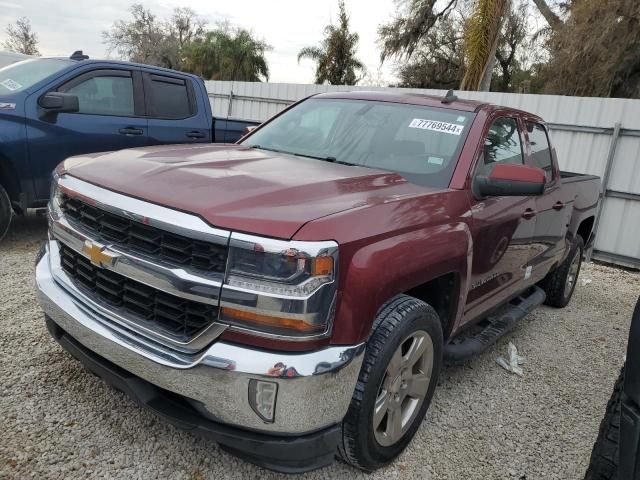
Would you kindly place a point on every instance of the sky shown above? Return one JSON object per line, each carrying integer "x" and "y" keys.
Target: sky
{"x": 63, "y": 26}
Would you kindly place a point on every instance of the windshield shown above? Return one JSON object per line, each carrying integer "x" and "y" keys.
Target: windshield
{"x": 22, "y": 75}
{"x": 420, "y": 143}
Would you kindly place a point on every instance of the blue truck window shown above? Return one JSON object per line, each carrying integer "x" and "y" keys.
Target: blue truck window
{"x": 169, "y": 98}
{"x": 105, "y": 96}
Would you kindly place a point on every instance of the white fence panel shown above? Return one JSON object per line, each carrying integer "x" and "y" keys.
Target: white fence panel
{"x": 583, "y": 131}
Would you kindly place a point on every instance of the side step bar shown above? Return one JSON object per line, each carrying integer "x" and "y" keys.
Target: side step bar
{"x": 489, "y": 330}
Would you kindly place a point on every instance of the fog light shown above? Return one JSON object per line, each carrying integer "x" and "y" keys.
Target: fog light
{"x": 262, "y": 398}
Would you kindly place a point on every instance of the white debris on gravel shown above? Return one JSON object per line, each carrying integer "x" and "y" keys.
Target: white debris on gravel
{"x": 513, "y": 361}
{"x": 58, "y": 421}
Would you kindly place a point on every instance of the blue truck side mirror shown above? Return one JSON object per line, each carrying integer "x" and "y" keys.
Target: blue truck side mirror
{"x": 57, "y": 102}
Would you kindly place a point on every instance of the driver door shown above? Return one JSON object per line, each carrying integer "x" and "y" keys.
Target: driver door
{"x": 503, "y": 228}
{"x": 110, "y": 117}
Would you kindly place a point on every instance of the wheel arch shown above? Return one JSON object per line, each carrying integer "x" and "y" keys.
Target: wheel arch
{"x": 585, "y": 229}
{"x": 9, "y": 179}
{"x": 431, "y": 264}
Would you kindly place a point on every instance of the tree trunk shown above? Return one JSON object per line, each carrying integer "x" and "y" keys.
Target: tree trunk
{"x": 485, "y": 84}
{"x": 552, "y": 19}
{"x": 482, "y": 37}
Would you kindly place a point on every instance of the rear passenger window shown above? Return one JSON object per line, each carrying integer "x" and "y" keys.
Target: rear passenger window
{"x": 540, "y": 149}
{"x": 169, "y": 98}
{"x": 502, "y": 145}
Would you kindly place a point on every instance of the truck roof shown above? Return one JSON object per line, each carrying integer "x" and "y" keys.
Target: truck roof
{"x": 408, "y": 98}
{"x": 90, "y": 61}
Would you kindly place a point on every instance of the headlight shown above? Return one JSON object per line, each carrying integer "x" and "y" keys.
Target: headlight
{"x": 54, "y": 196}
{"x": 53, "y": 189}
{"x": 281, "y": 287}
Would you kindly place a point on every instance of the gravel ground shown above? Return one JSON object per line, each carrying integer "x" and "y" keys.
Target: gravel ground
{"x": 58, "y": 421}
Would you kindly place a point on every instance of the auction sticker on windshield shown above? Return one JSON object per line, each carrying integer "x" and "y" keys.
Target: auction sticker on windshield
{"x": 451, "y": 128}
{"x": 11, "y": 84}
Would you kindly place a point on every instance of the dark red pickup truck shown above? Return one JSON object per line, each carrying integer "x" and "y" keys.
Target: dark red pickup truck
{"x": 295, "y": 295}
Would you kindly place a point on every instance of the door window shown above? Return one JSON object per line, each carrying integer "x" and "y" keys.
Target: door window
{"x": 169, "y": 98}
{"x": 502, "y": 145}
{"x": 540, "y": 149}
{"x": 104, "y": 95}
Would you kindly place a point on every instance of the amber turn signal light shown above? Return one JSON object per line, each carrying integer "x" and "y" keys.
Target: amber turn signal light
{"x": 267, "y": 321}
{"x": 322, "y": 266}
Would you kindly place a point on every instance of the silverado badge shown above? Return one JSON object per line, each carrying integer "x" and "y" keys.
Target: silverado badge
{"x": 97, "y": 254}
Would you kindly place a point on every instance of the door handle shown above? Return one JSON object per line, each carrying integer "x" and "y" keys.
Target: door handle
{"x": 528, "y": 213}
{"x": 195, "y": 134}
{"x": 558, "y": 205}
{"x": 130, "y": 131}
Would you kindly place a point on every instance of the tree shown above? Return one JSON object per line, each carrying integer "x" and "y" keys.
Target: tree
{"x": 438, "y": 59}
{"x": 596, "y": 51}
{"x": 401, "y": 36}
{"x": 148, "y": 39}
{"x": 21, "y": 38}
{"x": 228, "y": 54}
{"x": 550, "y": 16}
{"x": 335, "y": 58}
{"x": 513, "y": 35}
{"x": 482, "y": 35}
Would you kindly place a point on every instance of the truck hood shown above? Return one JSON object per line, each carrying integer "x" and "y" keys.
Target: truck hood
{"x": 239, "y": 188}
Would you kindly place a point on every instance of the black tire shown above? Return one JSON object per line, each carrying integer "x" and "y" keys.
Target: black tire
{"x": 555, "y": 283}
{"x": 399, "y": 318}
{"x": 605, "y": 453}
{"x": 6, "y": 212}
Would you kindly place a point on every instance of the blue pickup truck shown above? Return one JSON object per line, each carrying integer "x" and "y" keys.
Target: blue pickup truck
{"x": 53, "y": 108}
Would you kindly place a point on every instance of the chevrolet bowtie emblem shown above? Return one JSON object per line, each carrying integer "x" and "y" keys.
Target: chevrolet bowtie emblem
{"x": 97, "y": 254}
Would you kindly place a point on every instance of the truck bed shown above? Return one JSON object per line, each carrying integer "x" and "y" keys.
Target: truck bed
{"x": 570, "y": 177}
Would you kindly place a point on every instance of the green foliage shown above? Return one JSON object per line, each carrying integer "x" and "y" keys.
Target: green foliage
{"x": 225, "y": 54}
{"x": 148, "y": 39}
{"x": 438, "y": 59}
{"x": 335, "y": 58}
{"x": 182, "y": 42}
{"x": 482, "y": 34}
{"x": 403, "y": 35}
{"x": 596, "y": 52}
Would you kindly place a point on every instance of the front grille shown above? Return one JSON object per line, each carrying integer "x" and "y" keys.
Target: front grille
{"x": 173, "y": 316}
{"x": 144, "y": 239}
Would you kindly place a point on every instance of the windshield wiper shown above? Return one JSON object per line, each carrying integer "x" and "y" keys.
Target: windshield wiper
{"x": 269, "y": 149}
{"x": 326, "y": 159}
{"x": 315, "y": 157}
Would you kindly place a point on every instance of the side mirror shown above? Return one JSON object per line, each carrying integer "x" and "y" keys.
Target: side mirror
{"x": 248, "y": 129}
{"x": 510, "y": 180}
{"x": 57, "y": 102}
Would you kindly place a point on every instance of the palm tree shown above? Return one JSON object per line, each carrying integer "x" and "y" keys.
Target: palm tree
{"x": 227, "y": 55}
{"x": 335, "y": 58}
{"x": 481, "y": 37}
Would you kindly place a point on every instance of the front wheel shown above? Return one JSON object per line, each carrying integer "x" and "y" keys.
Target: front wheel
{"x": 396, "y": 383}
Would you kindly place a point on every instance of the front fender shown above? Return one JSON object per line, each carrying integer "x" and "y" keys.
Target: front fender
{"x": 14, "y": 168}
{"x": 394, "y": 265}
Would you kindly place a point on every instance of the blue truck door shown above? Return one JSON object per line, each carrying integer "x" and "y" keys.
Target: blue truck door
{"x": 110, "y": 117}
{"x": 175, "y": 112}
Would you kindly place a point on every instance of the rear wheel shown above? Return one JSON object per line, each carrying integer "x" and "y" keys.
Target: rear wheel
{"x": 6, "y": 212}
{"x": 396, "y": 383}
{"x": 561, "y": 282}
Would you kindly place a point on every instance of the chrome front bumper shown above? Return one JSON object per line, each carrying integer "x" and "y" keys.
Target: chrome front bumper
{"x": 314, "y": 389}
